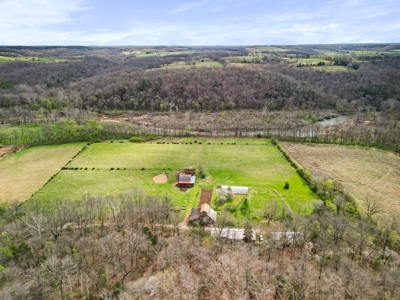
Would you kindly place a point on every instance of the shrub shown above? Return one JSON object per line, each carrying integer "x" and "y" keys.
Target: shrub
{"x": 112, "y": 169}
{"x": 143, "y": 169}
{"x": 92, "y": 168}
{"x": 85, "y": 168}
{"x": 136, "y": 139}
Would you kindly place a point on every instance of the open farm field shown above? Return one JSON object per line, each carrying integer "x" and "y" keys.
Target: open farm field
{"x": 266, "y": 48}
{"x": 183, "y": 64}
{"x": 5, "y": 59}
{"x": 151, "y": 53}
{"x": 332, "y": 69}
{"x": 363, "y": 171}
{"x": 24, "y": 173}
{"x": 258, "y": 165}
{"x": 72, "y": 184}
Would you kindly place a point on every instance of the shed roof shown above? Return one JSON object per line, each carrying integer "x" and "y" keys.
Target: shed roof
{"x": 185, "y": 177}
{"x": 195, "y": 214}
{"x": 242, "y": 190}
{"x": 277, "y": 236}
{"x": 236, "y": 234}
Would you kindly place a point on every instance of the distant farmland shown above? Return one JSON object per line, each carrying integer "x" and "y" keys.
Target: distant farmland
{"x": 363, "y": 171}
{"x": 27, "y": 171}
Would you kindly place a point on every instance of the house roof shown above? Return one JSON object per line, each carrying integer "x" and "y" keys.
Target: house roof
{"x": 185, "y": 177}
{"x": 195, "y": 214}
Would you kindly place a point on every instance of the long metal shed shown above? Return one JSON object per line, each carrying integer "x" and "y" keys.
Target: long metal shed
{"x": 240, "y": 190}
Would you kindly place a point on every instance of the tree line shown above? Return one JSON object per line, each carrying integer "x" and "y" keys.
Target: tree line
{"x": 133, "y": 246}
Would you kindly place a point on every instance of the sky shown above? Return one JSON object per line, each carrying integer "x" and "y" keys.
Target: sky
{"x": 198, "y": 22}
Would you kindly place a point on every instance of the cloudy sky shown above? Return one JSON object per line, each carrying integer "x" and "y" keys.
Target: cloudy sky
{"x": 199, "y": 22}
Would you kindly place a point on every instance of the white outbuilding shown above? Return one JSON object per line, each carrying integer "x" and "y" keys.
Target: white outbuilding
{"x": 240, "y": 190}
{"x": 236, "y": 234}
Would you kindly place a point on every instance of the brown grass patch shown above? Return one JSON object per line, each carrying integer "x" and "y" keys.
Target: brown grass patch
{"x": 4, "y": 151}
{"x": 363, "y": 171}
{"x": 160, "y": 178}
{"x": 24, "y": 173}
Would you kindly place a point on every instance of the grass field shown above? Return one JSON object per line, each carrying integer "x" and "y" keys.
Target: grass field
{"x": 150, "y": 53}
{"x": 363, "y": 171}
{"x": 26, "y": 172}
{"x": 5, "y": 59}
{"x": 259, "y": 165}
{"x": 266, "y": 48}
{"x": 183, "y": 65}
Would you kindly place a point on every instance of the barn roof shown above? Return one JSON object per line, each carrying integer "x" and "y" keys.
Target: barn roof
{"x": 185, "y": 177}
{"x": 195, "y": 214}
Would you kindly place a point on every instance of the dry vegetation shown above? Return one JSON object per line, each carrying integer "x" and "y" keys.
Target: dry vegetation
{"x": 26, "y": 172}
{"x": 365, "y": 172}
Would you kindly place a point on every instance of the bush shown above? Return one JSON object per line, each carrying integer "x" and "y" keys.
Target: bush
{"x": 136, "y": 139}
{"x": 112, "y": 169}
{"x": 143, "y": 169}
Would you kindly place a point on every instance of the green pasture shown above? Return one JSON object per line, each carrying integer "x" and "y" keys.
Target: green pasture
{"x": 5, "y": 59}
{"x": 72, "y": 184}
{"x": 144, "y": 54}
{"x": 251, "y": 162}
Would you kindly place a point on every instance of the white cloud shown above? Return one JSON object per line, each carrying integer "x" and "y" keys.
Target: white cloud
{"x": 42, "y": 22}
{"x": 37, "y": 13}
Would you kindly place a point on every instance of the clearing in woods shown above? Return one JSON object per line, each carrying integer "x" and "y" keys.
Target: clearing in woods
{"x": 363, "y": 171}
{"x": 24, "y": 173}
{"x": 112, "y": 168}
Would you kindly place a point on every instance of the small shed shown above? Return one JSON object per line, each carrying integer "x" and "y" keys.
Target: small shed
{"x": 239, "y": 190}
{"x": 186, "y": 180}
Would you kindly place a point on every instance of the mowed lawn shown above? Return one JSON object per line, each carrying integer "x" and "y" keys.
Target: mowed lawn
{"x": 72, "y": 184}
{"x": 365, "y": 172}
{"x": 24, "y": 173}
{"x": 261, "y": 167}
